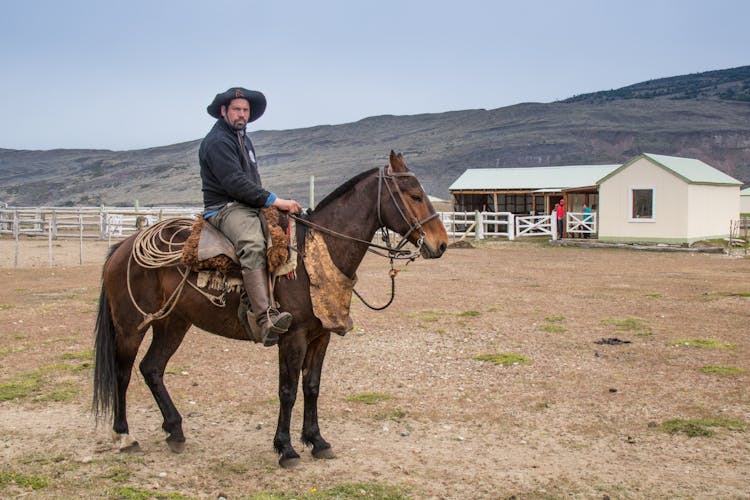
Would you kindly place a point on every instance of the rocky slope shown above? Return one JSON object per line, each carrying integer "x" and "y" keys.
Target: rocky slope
{"x": 704, "y": 116}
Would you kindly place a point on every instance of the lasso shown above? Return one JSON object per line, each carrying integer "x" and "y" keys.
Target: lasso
{"x": 151, "y": 250}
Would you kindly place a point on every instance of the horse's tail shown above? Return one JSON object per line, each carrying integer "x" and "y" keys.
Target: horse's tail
{"x": 105, "y": 357}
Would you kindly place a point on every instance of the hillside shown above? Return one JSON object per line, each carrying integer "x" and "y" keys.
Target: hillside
{"x": 596, "y": 128}
{"x": 727, "y": 84}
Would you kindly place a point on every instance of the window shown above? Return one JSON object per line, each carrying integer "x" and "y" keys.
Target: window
{"x": 642, "y": 204}
{"x": 516, "y": 203}
{"x": 539, "y": 208}
{"x": 471, "y": 202}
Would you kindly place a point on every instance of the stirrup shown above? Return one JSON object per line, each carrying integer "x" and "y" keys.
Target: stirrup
{"x": 282, "y": 322}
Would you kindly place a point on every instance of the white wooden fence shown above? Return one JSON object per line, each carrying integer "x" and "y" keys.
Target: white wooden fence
{"x": 581, "y": 223}
{"x": 84, "y": 222}
{"x": 481, "y": 225}
{"x": 119, "y": 222}
{"x": 535, "y": 225}
{"x": 478, "y": 225}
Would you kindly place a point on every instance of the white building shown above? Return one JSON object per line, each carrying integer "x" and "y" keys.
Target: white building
{"x": 745, "y": 201}
{"x": 666, "y": 199}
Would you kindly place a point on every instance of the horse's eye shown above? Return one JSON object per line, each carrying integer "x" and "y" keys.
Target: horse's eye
{"x": 416, "y": 197}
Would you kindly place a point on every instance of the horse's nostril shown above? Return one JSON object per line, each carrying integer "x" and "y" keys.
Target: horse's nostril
{"x": 443, "y": 247}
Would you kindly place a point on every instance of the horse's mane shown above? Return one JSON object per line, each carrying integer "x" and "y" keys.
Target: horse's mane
{"x": 345, "y": 187}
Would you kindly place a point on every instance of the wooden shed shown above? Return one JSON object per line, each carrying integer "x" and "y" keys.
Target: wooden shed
{"x": 532, "y": 190}
{"x": 666, "y": 199}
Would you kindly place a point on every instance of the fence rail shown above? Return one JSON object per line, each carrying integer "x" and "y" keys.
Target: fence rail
{"x": 535, "y": 225}
{"x": 580, "y": 223}
{"x": 478, "y": 225}
{"x": 119, "y": 222}
{"x": 84, "y": 222}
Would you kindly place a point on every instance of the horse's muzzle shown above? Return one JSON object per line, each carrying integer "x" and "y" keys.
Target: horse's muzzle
{"x": 430, "y": 252}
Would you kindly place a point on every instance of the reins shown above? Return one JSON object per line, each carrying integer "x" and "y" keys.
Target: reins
{"x": 396, "y": 252}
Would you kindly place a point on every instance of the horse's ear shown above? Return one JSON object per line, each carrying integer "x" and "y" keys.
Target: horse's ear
{"x": 397, "y": 162}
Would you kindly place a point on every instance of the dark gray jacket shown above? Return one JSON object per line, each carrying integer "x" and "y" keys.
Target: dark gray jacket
{"x": 227, "y": 174}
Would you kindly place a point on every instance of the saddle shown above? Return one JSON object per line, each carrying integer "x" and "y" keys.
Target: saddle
{"x": 208, "y": 250}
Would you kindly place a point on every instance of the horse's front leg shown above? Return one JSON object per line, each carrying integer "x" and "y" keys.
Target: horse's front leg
{"x": 292, "y": 348}
{"x": 316, "y": 353}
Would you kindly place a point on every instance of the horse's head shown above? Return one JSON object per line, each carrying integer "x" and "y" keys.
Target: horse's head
{"x": 405, "y": 208}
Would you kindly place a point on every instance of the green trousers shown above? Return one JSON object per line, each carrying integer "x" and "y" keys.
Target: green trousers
{"x": 244, "y": 227}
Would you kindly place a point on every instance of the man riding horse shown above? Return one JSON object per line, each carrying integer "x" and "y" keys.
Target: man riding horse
{"x": 233, "y": 197}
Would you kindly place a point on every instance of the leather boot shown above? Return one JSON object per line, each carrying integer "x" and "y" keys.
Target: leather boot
{"x": 271, "y": 321}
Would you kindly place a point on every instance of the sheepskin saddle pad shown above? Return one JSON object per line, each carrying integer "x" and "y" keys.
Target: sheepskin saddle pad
{"x": 208, "y": 248}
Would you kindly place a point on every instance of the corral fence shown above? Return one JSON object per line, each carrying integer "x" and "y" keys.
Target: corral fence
{"x": 580, "y": 223}
{"x": 81, "y": 223}
{"x": 480, "y": 225}
{"x": 85, "y": 222}
{"x": 108, "y": 223}
{"x": 119, "y": 222}
{"x": 739, "y": 236}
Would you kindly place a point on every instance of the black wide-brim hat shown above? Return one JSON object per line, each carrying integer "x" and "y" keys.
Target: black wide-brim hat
{"x": 256, "y": 99}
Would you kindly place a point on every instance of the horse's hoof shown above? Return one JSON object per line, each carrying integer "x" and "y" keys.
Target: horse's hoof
{"x": 133, "y": 447}
{"x": 289, "y": 463}
{"x": 125, "y": 443}
{"x": 176, "y": 446}
{"x": 325, "y": 453}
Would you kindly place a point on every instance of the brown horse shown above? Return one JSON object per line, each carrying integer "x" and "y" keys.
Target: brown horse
{"x": 349, "y": 217}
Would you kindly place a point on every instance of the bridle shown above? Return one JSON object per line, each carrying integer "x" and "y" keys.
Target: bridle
{"x": 393, "y": 252}
{"x": 386, "y": 174}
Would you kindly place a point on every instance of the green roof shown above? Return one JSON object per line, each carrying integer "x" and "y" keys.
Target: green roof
{"x": 690, "y": 170}
{"x": 745, "y": 192}
{"x": 531, "y": 178}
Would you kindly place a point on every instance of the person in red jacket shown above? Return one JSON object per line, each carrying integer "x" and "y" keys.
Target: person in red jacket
{"x": 560, "y": 213}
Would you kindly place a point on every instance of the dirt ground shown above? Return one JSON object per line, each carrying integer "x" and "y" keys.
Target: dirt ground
{"x": 582, "y": 420}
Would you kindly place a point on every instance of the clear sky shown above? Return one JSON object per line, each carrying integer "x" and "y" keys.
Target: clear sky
{"x": 140, "y": 73}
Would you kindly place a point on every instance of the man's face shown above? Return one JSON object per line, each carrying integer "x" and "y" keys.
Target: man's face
{"x": 237, "y": 113}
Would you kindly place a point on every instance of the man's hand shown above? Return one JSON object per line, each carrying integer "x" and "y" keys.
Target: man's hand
{"x": 287, "y": 205}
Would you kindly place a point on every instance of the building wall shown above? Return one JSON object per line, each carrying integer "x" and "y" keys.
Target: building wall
{"x": 711, "y": 209}
{"x": 670, "y": 221}
{"x": 682, "y": 212}
{"x": 745, "y": 204}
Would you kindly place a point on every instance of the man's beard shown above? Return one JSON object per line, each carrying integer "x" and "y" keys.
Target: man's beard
{"x": 239, "y": 124}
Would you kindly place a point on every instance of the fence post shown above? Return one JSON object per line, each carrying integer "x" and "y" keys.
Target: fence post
{"x": 553, "y": 225}
{"x": 511, "y": 227}
{"x": 80, "y": 234}
{"x": 478, "y": 226}
{"x": 54, "y": 223}
{"x": 102, "y": 223}
{"x": 49, "y": 243}
{"x": 312, "y": 191}
{"x": 16, "y": 231}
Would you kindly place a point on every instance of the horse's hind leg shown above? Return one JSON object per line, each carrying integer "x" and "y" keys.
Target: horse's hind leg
{"x": 127, "y": 349}
{"x": 167, "y": 337}
{"x": 312, "y": 369}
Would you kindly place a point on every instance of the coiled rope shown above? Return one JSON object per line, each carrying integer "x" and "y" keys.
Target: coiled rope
{"x": 152, "y": 250}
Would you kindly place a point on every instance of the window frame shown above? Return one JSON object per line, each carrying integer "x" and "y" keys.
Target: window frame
{"x": 631, "y": 200}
